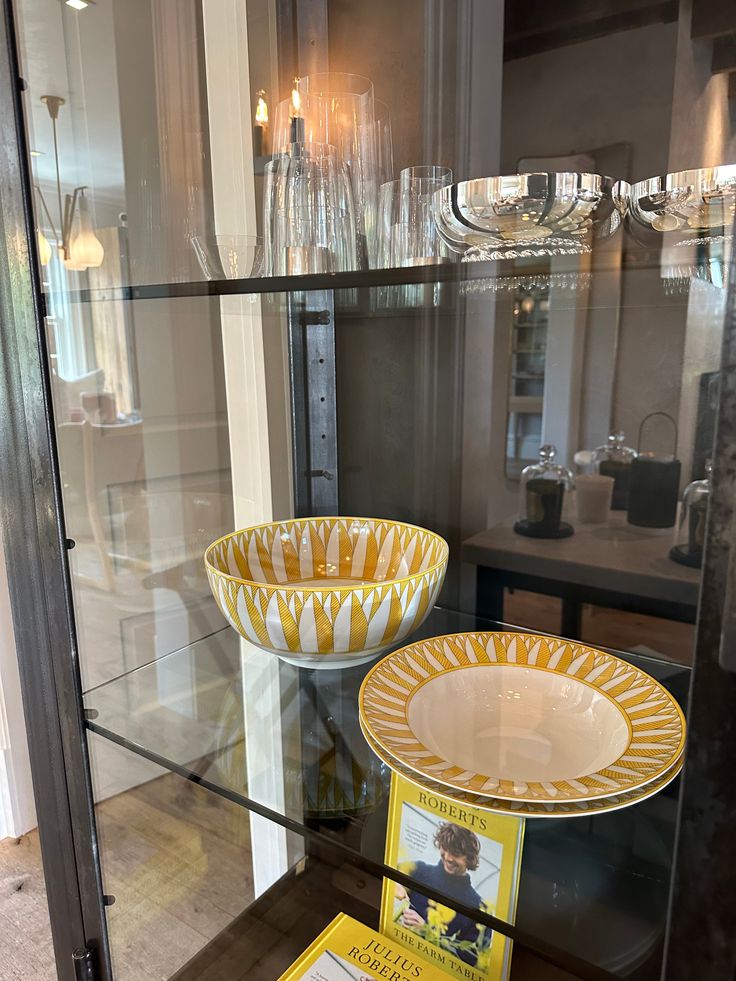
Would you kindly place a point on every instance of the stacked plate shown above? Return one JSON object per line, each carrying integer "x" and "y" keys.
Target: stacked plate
{"x": 522, "y": 724}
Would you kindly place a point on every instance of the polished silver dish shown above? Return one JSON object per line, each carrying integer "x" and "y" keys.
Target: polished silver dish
{"x": 523, "y": 215}
{"x": 698, "y": 206}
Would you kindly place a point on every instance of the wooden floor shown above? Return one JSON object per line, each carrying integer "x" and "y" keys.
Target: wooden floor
{"x": 609, "y": 628}
{"x": 261, "y": 943}
{"x": 25, "y": 937}
{"x": 177, "y": 860}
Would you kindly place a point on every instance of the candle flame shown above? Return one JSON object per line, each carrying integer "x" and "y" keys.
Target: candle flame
{"x": 296, "y": 99}
{"x": 262, "y": 109}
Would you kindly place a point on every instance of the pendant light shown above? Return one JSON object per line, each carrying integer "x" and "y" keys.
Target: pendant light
{"x": 86, "y": 249}
{"x": 82, "y": 250}
{"x": 44, "y": 249}
{"x": 71, "y": 261}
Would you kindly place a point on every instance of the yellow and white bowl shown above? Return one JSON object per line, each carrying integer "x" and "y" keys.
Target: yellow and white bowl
{"x": 327, "y": 592}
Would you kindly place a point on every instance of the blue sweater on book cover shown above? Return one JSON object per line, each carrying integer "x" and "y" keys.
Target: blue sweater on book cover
{"x": 458, "y": 887}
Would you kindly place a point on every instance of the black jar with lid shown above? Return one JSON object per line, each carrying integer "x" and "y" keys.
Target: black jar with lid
{"x": 655, "y": 484}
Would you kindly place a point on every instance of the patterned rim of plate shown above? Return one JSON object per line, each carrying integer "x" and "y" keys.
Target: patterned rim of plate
{"x": 657, "y": 725}
{"x": 579, "y": 808}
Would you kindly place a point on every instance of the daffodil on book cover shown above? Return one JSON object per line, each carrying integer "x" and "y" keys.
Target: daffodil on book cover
{"x": 463, "y": 853}
{"x": 347, "y": 950}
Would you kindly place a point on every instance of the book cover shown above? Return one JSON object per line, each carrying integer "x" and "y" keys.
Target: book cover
{"x": 465, "y": 853}
{"x": 349, "y": 951}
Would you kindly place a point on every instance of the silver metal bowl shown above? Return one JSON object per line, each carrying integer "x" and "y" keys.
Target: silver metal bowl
{"x": 694, "y": 204}
{"x": 520, "y": 215}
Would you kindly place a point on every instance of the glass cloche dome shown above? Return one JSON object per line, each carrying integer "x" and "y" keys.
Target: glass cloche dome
{"x": 543, "y": 488}
{"x": 614, "y": 459}
{"x": 693, "y": 515}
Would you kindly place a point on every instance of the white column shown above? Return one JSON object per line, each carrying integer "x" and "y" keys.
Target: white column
{"x": 258, "y": 437}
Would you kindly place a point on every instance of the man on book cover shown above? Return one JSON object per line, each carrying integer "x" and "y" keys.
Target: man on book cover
{"x": 459, "y": 854}
{"x": 464, "y": 853}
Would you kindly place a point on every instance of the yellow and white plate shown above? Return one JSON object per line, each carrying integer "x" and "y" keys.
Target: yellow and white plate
{"x": 576, "y": 808}
{"x": 522, "y": 717}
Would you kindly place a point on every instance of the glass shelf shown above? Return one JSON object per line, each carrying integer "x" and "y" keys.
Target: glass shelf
{"x": 264, "y": 940}
{"x": 473, "y": 273}
{"x": 445, "y": 273}
{"x": 593, "y": 891}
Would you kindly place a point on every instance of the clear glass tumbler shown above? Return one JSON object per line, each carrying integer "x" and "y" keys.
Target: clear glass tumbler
{"x": 309, "y": 217}
{"x": 229, "y": 256}
{"x": 441, "y": 176}
{"x": 407, "y": 233}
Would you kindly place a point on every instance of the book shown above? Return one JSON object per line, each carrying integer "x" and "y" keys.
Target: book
{"x": 465, "y": 853}
{"x": 347, "y": 950}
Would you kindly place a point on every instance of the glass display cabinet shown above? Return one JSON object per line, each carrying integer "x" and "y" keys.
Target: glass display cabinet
{"x": 265, "y": 260}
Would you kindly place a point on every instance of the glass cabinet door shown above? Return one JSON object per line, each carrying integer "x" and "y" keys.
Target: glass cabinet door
{"x": 464, "y": 267}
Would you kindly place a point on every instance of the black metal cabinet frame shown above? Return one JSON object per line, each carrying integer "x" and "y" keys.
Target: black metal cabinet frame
{"x": 40, "y": 585}
{"x": 701, "y": 939}
{"x": 701, "y": 927}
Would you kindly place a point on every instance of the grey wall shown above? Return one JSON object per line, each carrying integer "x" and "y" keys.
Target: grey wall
{"x": 360, "y": 42}
{"x": 615, "y": 89}
{"x": 703, "y": 119}
{"x": 584, "y": 97}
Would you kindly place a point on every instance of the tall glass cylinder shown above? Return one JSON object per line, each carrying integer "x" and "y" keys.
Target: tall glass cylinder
{"x": 309, "y": 222}
{"x": 338, "y": 108}
{"x": 384, "y": 142}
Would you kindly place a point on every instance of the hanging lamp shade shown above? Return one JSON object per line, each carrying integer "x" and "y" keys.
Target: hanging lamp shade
{"x": 72, "y": 262}
{"x": 44, "y": 249}
{"x": 86, "y": 249}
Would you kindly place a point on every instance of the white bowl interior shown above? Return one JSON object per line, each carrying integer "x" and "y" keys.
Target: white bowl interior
{"x": 518, "y": 723}
{"x": 327, "y": 553}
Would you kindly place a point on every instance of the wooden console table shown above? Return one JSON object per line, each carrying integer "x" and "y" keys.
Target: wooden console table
{"x": 615, "y": 565}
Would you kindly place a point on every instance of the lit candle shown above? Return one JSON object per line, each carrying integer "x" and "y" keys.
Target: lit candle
{"x": 296, "y": 131}
{"x": 260, "y": 130}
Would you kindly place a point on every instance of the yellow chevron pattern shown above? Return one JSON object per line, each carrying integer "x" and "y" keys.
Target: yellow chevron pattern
{"x": 321, "y": 587}
{"x": 655, "y": 721}
{"x": 518, "y": 808}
